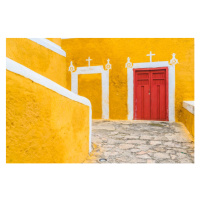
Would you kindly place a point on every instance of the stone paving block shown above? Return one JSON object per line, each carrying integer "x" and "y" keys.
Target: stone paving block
{"x": 145, "y": 156}
{"x": 146, "y": 137}
{"x": 155, "y": 142}
{"x": 161, "y": 155}
{"x": 131, "y": 137}
{"x": 141, "y": 152}
{"x": 110, "y": 128}
{"x": 126, "y": 146}
{"x": 136, "y": 142}
{"x": 173, "y": 156}
{"x": 151, "y": 161}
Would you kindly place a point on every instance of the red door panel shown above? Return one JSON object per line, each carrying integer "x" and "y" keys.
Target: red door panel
{"x": 158, "y": 95}
{"x": 142, "y": 95}
{"x": 150, "y": 94}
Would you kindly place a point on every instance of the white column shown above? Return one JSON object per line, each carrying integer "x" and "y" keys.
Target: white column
{"x": 74, "y": 83}
{"x": 90, "y": 127}
{"x": 105, "y": 94}
{"x": 130, "y": 93}
{"x": 171, "y": 92}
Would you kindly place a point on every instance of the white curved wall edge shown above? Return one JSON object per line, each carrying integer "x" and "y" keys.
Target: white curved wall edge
{"x": 37, "y": 78}
{"x": 171, "y": 86}
{"x": 49, "y": 45}
{"x": 189, "y": 105}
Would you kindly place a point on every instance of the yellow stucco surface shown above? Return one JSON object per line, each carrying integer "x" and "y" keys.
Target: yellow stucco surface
{"x": 88, "y": 83}
{"x": 38, "y": 58}
{"x": 118, "y": 49}
{"x": 43, "y": 126}
{"x": 55, "y": 40}
{"x": 188, "y": 120}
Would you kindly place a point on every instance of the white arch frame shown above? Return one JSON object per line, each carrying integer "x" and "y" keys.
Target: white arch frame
{"x": 104, "y": 84}
{"x": 171, "y": 87}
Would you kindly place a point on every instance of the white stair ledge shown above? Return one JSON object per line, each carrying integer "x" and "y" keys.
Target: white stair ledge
{"x": 189, "y": 105}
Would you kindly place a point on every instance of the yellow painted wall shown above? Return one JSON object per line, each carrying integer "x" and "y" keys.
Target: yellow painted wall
{"x": 38, "y": 58}
{"x": 43, "y": 126}
{"x": 88, "y": 83}
{"x": 188, "y": 119}
{"x": 55, "y": 40}
{"x": 118, "y": 49}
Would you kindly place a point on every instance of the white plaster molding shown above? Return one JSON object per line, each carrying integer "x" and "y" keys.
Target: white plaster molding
{"x": 104, "y": 82}
{"x": 37, "y": 78}
{"x": 49, "y": 45}
{"x": 171, "y": 86}
{"x": 151, "y": 64}
{"x": 190, "y": 106}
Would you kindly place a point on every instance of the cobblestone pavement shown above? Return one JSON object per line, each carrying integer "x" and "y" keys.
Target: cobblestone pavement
{"x": 140, "y": 142}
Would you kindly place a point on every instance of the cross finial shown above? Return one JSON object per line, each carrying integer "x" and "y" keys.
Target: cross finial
{"x": 88, "y": 61}
{"x": 108, "y": 65}
{"x": 71, "y": 67}
{"x": 173, "y": 61}
{"x": 128, "y": 64}
{"x": 150, "y": 55}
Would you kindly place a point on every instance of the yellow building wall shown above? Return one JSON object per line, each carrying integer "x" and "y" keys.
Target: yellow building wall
{"x": 55, "y": 40}
{"x": 118, "y": 49}
{"x": 42, "y": 126}
{"x": 88, "y": 83}
{"x": 187, "y": 119}
{"x": 38, "y": 58}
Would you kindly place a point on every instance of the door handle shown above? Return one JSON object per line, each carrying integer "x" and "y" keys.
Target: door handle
{"x": 149, "y": 92}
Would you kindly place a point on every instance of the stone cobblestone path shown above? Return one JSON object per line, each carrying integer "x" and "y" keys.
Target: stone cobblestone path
{"x": 140, "y": 142}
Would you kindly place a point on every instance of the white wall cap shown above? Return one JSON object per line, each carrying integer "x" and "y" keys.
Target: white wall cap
{"x": 190, "y": 106}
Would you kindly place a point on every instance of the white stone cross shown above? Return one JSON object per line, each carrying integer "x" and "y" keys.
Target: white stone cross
{"x": 150, "y": 55}
{"x": 88, "y": 61}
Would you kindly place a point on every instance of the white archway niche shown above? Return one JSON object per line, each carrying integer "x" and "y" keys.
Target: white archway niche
{"x": 104, "y": 84}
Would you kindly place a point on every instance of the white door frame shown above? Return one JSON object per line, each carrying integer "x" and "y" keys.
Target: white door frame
{"x": 171, "y": 86}
{"x": 104, "y": 84}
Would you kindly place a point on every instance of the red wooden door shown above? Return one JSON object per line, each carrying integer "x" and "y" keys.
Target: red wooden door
{"x": 142, "y": 100}
{"x": 150, "y": 95}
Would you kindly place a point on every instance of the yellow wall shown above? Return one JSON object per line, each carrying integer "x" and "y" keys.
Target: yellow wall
{"x": 55, "y": 40}
{"x": 43, "y": 126}
{"x": 88, "y": 83}
{"x": 38, "y": 58}
{"x": 118, "y": 49}
{"x": 188, "y": 119}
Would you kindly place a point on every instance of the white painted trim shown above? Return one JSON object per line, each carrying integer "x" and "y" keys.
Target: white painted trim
{"x": 171, "y": 86}
{"x": 150, "y": 64}
{"x": 49, "y": 45}
{"x": 37, "y": 78}
{"x": 190, "y": 106}
{"x": 105, "y": 84}
{"x": 130, "y": 93}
